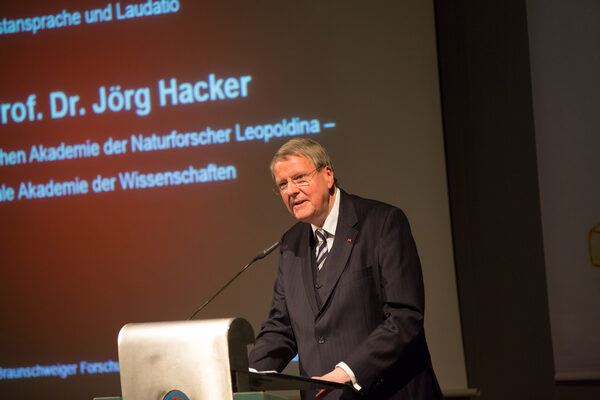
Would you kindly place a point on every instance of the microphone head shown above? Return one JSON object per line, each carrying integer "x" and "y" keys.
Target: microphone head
{"x": 268, "y": 250}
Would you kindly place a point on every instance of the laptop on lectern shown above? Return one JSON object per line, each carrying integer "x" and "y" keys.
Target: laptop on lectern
{"x": 184, "y": 359}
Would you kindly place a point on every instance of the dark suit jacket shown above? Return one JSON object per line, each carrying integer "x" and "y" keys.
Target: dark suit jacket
{"x": 372, "y": 299}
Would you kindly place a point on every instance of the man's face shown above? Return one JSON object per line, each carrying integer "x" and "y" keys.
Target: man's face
{"x": 310, "y": 203}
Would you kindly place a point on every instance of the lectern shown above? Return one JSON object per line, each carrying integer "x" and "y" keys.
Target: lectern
{"x": 195, "y": 360}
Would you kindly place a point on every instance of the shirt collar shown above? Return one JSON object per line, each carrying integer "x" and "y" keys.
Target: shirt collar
{"x": 331, "y": 221}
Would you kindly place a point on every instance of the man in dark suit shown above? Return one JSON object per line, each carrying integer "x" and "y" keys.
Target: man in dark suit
{"x": 349, "y": 291}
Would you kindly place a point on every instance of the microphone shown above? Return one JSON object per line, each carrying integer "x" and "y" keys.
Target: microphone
{"x": 266, "y": 252}
{"x": 261, "y": 254}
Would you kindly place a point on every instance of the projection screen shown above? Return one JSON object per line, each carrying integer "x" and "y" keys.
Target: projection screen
{"x": 134, "y": 149}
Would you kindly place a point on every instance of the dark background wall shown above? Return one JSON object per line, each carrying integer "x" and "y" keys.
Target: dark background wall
{"x": 494, "y": 196}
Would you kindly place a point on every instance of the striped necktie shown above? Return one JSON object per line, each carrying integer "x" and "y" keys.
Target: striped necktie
{"x": 322, "y": 252}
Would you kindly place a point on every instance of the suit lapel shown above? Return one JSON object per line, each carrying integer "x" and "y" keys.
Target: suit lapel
{"x": 306, "y": 266}
{"x": 337, "y": 260}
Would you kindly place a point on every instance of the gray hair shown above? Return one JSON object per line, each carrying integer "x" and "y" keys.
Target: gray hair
{"x": 303, "y": 147}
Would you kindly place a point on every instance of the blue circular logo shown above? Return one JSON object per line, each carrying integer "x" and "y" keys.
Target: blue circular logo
{"x": 175, "y": 395}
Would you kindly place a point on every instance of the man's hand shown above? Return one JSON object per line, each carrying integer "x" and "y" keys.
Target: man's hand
{"x": 337, "y": 375}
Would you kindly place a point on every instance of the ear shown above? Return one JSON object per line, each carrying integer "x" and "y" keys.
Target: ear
{"x": 329, "y": 177}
